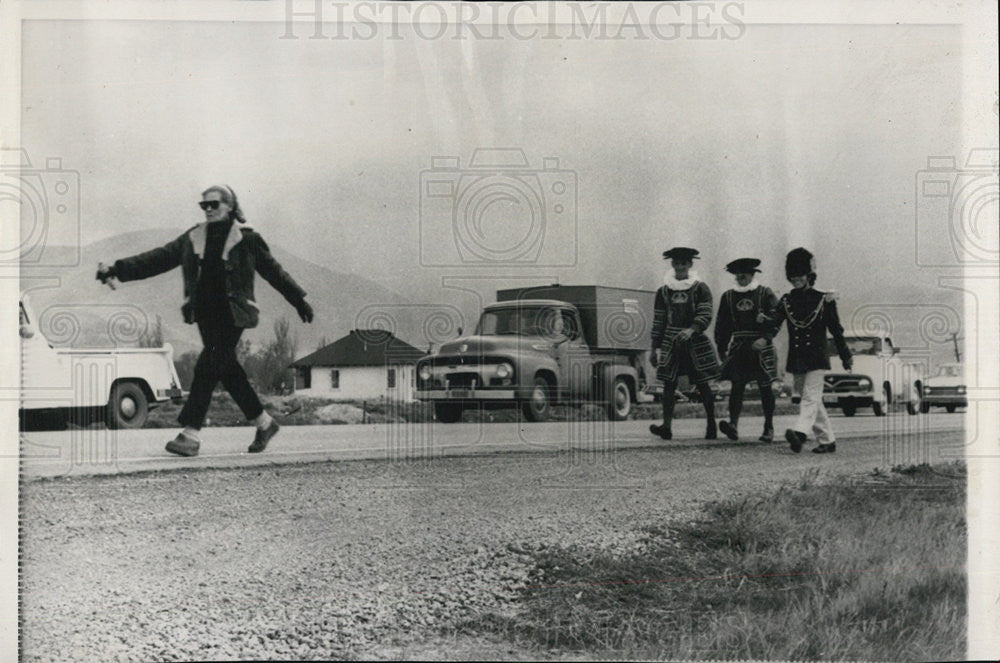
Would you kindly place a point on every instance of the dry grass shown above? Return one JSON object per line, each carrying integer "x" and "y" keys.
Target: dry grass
{"x": 862, "y": 570}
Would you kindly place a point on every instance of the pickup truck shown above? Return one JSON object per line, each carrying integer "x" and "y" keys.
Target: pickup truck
{"x": 878, "y": 378}
{"x": 545, "y": 345}
{"x": 115, "y": 385}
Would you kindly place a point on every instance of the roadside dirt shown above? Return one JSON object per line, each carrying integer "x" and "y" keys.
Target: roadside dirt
{"x": 348, "y": 560}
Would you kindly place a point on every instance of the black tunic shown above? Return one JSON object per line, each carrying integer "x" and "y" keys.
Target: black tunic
{"x": 745, "y": 317}
{"x": 673, "y": 311}
{"x": 810, "y": 314}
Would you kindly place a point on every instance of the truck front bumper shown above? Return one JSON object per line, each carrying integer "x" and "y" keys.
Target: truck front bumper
{"x": 941, "y": 400}
{"x": 841, "y": 398}
{"x": 466, "y": 394}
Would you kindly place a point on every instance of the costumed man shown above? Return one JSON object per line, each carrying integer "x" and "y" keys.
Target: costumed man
{"x": 743, "y": 336}
{"x": 681, "y": 313}
{"x": 810, "y": 313}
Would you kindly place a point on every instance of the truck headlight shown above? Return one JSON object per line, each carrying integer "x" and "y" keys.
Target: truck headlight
{"x": 961, "y": 389}
{"x": 504, "y": 371}
{"x": 425, "y": 372}
{"x": 864, "y": 384}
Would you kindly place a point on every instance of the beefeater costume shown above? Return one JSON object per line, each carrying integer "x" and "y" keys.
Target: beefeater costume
{"x": 810, "y": 314}
{"x": 743, "y": 336}
{"x": 681, "y": 313}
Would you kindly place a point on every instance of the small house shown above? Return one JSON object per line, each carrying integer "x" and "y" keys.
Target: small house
{"x": 365, "y": 364}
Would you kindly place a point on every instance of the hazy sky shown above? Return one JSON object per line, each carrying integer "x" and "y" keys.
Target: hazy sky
{"x": 787, "y": 136}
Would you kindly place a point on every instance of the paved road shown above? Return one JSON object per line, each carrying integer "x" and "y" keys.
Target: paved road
{"x": 905, "y": 439}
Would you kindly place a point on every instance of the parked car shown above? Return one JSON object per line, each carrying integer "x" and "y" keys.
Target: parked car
{"x": 946, "y": 389}
{"x": 878, "y": 378}
{"x": 538, "y": 346}
{"x": 115, "y": 385}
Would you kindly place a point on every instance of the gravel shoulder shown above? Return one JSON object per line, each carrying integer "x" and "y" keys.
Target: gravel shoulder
{"x": 366, "y": 559}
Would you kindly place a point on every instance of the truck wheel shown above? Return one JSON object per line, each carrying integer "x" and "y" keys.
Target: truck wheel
{"x": 536, "y": 407}
{"x": 925, "y": 407}
{"x": 913, "y": 408}
{"x": 127, "y": 407}
{"x": 950, "y": 408}
{"x": 849, "y": 409}
{"x": 448, "y": 413}
{"x": 620, "y": 401}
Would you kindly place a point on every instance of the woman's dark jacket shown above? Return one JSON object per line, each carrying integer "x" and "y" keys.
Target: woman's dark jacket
{"x": 243, "y": 253}
{"x": 810, "y": 313}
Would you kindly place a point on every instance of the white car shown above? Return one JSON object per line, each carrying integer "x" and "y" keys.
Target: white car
{"x": 878, "y": 378}
{"x": 116, "y": 385}
{"x": 946, "y": 389}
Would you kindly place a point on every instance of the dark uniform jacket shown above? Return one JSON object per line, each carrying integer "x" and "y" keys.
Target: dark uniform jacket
{"x": 243, "y": 253}
{"x": 673, "y": 311}
{"x": 810, "y": 314}
{"x": 745, "y": 317}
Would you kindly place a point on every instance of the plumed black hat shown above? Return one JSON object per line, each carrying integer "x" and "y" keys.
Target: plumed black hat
{"x": 799, "y": 262}
{"x": 743, "y": 266}
{"x": 681, "y": 253}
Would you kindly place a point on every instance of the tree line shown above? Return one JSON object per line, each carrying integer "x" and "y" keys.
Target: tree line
{"x": 268, "y": 367}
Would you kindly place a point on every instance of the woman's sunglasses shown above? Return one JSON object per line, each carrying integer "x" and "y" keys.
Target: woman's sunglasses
{"x": 209, "y": 204}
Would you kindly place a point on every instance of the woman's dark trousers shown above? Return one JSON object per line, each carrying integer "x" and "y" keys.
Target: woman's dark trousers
{"x": 216, "y": 363}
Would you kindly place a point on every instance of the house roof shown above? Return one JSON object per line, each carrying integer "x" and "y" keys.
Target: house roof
{"x": 363, "y": 347}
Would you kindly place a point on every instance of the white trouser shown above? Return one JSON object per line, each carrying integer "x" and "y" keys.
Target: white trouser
{"x": 812, "y": 413}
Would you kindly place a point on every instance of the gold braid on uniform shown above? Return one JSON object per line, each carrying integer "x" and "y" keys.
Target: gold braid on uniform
{"x": 802, "y": 324}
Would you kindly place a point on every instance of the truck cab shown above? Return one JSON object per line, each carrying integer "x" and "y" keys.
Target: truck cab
{"x": 535, "y": 351}
{"x": 118, "y": 386}
{"x": 878, "y": 378}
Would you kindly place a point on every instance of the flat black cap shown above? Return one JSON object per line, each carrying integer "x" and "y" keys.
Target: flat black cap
{"x": 681, "y": 253}
{"x": 743, "y": 266}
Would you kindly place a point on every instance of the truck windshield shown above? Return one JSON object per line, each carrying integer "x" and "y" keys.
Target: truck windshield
{"x": 534, "y": 321}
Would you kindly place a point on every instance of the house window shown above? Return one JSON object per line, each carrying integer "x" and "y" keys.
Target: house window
{"x": 391, "y": 378}
{"x": 335, "y": 379}
{"x": 305, "y": 377}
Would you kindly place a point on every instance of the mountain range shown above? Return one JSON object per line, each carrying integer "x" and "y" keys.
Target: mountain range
{"x": 74, "y": 309}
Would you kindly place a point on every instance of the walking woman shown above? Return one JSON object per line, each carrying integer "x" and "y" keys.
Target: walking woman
{"x": 743, "y": 336}
{"x": 810, "y": 314}
{"x": 218, "y": 258}
{"x": 681, "y": 313}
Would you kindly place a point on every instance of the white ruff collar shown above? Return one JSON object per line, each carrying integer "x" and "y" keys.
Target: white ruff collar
{"x": 671, "y": 281}
{"x": 748, "y": 287}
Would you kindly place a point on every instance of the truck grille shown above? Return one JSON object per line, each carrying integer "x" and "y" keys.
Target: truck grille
{"x": 842, "y": 383}
{"x": 463, "y": 380}
{"x": 466, "y": 360}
